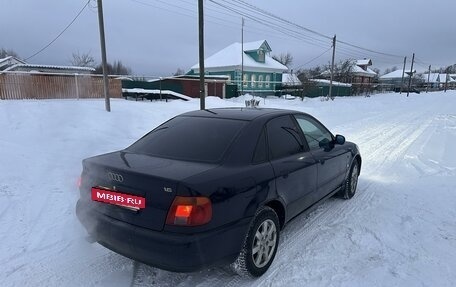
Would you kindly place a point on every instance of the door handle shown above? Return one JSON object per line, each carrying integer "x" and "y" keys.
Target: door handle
{"x": 322, "y": 161}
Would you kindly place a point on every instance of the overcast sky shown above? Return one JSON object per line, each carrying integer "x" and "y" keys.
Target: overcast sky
{"x": 155, "y": 37}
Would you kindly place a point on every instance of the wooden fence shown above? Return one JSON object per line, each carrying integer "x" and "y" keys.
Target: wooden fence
{"x": 18, "y": 86}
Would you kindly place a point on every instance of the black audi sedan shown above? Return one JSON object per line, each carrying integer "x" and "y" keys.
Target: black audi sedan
{"x": 214, "y": 187}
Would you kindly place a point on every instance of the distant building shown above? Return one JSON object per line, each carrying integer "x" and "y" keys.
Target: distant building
{"x": 362, "y": 74}
{"x": 434, "y": 80}
{"x": 177, "y": 87}
{"x": 359, "y": 75}
{"x": 9, "y": 61}
{"x": 321, "y": 89}
{"x": 439, "y": 81}
{"x": 13, "y": 64}
{"x": 289, "y": 79}
{"x": 32, "y": 68}
{"x": 261, "y": 73}
{"x": 394, "y": 79}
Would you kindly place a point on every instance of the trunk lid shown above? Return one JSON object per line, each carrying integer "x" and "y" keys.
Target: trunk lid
{"x": 155, "y": 179}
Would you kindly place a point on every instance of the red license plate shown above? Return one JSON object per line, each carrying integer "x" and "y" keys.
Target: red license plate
{"x": 117, "y": 198}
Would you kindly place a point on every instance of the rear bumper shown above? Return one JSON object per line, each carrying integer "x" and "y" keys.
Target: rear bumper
{"x": 170, "y": 251}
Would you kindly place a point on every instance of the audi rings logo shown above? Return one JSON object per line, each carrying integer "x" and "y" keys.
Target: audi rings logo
{"x": 115, "y": 177}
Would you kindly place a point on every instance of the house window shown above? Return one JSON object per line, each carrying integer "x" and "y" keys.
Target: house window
{"x": 268, "y": 81}
{"x": 245, "y": 80}
{"x": 260, "y": 81}
{"x": 261, "y": 56}
{"x": 253, "y": 79}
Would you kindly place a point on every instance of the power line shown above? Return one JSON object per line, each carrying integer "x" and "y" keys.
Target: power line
{"x": 368, "y": 50}
{"x": 258, "y": 10}
{"x": 60, "y": 34}
{"x": 245, "y": 7}
{"x": 282, "y": 19}
{"x": 276, "y": 27}
{"x": 313, "y": 59}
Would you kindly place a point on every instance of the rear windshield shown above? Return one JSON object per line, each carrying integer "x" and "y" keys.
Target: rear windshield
{"x": 190, "y": 139}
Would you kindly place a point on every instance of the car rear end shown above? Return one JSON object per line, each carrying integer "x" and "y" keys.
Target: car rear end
{"x": 137, "y": 204}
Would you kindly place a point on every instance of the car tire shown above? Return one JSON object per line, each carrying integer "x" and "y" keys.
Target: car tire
{"x": 260, "y": 244}
{"x": 351, "y": 183}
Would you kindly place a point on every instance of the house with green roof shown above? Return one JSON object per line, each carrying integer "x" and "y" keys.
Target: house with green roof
{"x": 251, "y": 69}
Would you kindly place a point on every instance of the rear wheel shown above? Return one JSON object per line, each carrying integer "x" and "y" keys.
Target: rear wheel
{"x": 351, "y": 183}
{"x": 260, "y": 245}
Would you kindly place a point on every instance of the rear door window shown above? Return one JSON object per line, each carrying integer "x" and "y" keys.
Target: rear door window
{"x": 283, "y": 137}
{"x": 190, "y": 138}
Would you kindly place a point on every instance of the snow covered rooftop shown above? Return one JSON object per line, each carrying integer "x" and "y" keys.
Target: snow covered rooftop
{"x": 395, "y": 74}
{"x": 231, "y": 56}
{"x": 327, "y": 82}
{"x": 290, "y": 79}
{"x": 359, "y": 71}
{"x": 252, "y": 46}
{"x": 10, "y": 60}
{"x": 53, "y": 67}
{"x": 364, "y": 62}
{"x": 431, "y": 78}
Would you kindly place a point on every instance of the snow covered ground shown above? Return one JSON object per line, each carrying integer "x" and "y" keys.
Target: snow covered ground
{"x": 399, "y": 230}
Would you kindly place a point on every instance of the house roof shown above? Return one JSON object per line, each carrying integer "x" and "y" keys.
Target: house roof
{"x": 253, "y": 46}
{"x": 231, "y": 57}
{"x": 433, "y": 77}
{"x": 9, "y": 61}
{"x": 436, "y": 78}
{"x": 324, "y": 82}
{"x": 364, "y": 62}
{"x": 53, "y": 67}
{"x": 356, "y": 69}
{"x": 443, "y": 78}
{"x": 290, "y": 79}
{"x": 395, "y": 74}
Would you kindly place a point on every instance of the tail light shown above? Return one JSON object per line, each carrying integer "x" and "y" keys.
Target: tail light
{"x": 189, "y": 211}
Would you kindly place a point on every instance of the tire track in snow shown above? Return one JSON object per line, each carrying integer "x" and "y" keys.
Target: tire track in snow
{"x": 392, "y": 144}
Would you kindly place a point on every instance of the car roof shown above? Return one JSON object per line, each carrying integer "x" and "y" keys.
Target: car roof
{"x": 246, "y": 114}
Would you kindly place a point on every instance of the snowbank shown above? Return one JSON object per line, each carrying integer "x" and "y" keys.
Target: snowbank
{"x": 399, "y": 230}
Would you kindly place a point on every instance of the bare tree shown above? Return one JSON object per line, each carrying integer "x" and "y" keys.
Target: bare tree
{"x": 343, "y": 71}
{"x": 284, "y": 59}
{"x": 8, "y": 52}
{"x": 82, "y": 60}
{"x": 116, "y": 68}
{"x": 390, "y": 70}
{"x": 451, "y": 69}
{"x": 179, "y": 72}
{"x": 306, "y": 77}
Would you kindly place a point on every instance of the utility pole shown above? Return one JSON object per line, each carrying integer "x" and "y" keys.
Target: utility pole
{"x": 201, "y": 53}
{"x": 103, "y": 56}
{"x": 332, "y": 68}
{"x": 429, "y": 79}
{"x": 242, "y": 58}
{"x": 403, "y": 72}
{"x": 411, "y": 75}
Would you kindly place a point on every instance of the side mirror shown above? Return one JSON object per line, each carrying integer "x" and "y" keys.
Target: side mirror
{"x": 326, "y": 144}
{"x": 339, "y": 139}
